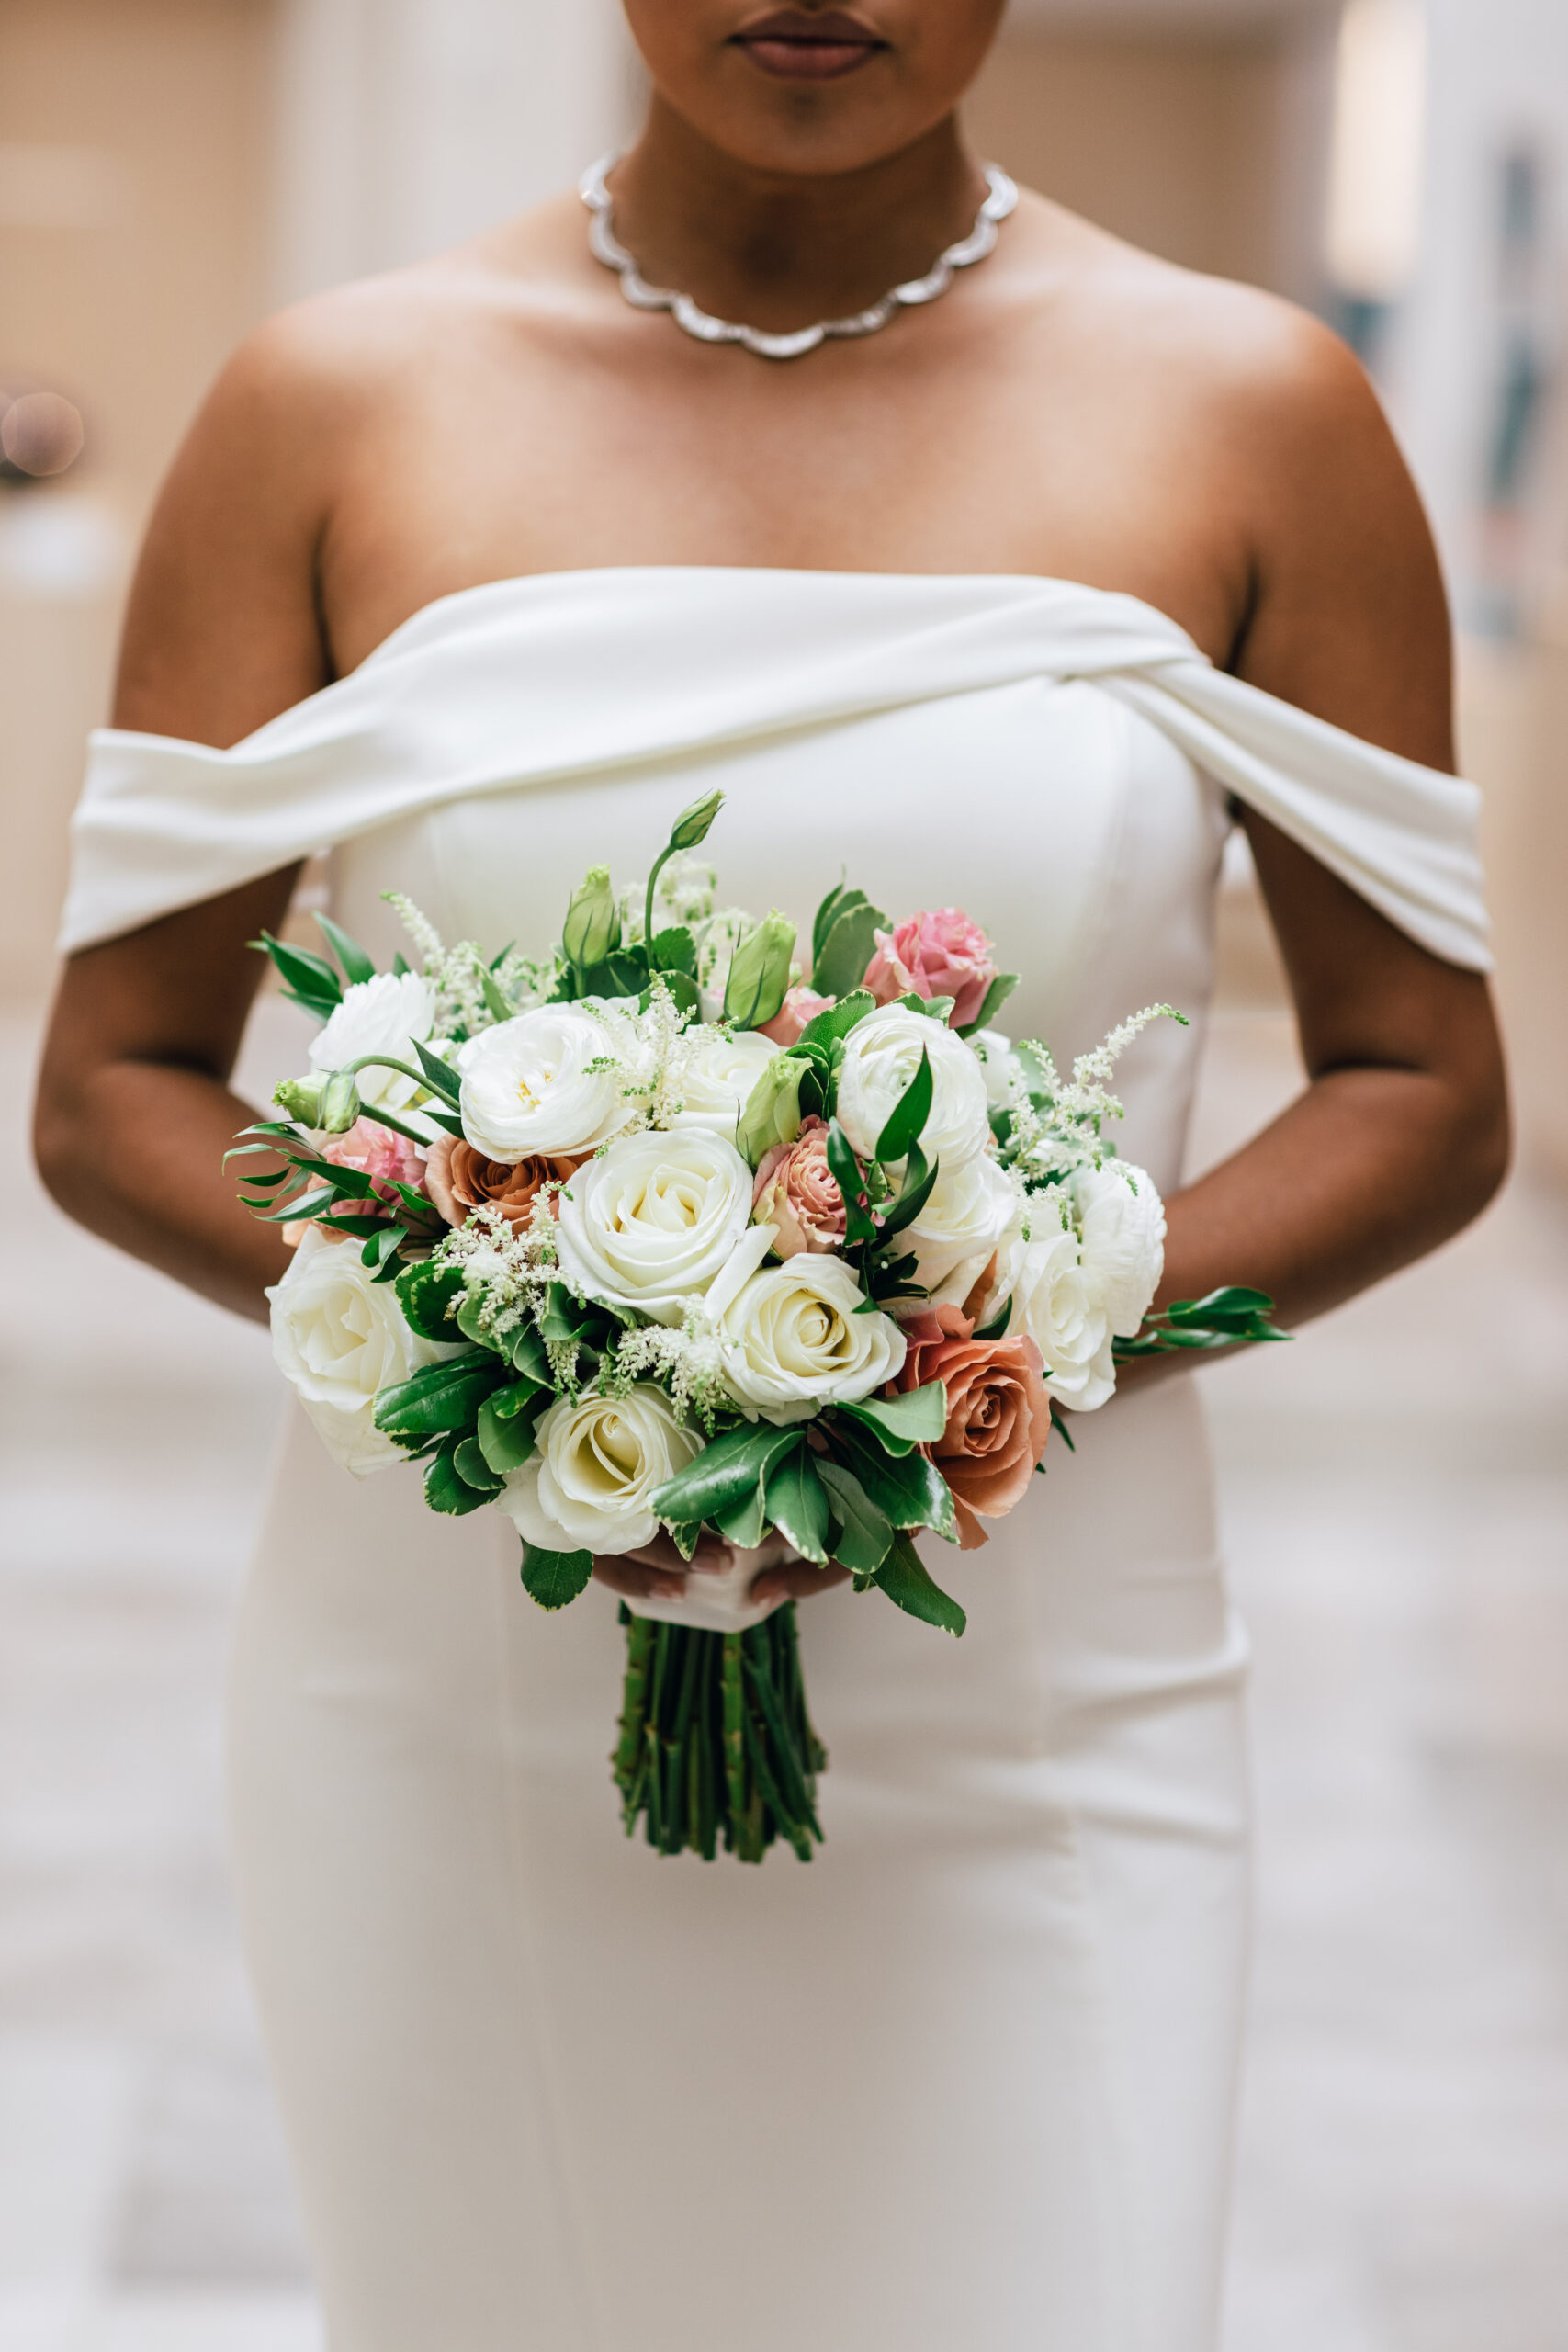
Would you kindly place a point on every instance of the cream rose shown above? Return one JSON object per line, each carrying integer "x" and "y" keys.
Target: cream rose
{"x": 993, "y": 1050}
{"x": 792, "y": 1341}
{"x": 384, "y": 1016}
{"x": 595, "y": 1463}
{"x": 654, "y": 1220}
{"x": 962, "y": 1225}
{"x": 529, "y": 1087}
{"x": 338, "y": 1337}
{"x": 1055, "y": 1304}
{"x": 882, "y": 1054}
{"x": 719, "y": 1076}
{"x": 1123, "y": 1240}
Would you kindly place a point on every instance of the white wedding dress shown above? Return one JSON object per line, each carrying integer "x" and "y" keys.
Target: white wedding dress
{"x": 965, "y": 2084}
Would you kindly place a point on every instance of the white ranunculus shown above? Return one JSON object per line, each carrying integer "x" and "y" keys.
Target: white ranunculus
{"x": 792, "y": 1341}
{"x": 339, "y": 1337}
{"x": 1123, "y": 1240}
{"x": 586, "y": 1484}
{"x": 384, "y": 1016}
{"x": 882, "y": 1054}
{"x": 654, "y": 1219}
{"x": 994, "y": 1052}
{"x": 963, "y": 1223}
{"x": 528, "y": 1085}
{"x": 719, "y": 1078}
{"x": 1054, "y": 1306}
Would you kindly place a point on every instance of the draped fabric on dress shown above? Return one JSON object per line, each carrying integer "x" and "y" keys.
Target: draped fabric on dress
{"x": 967, "y": 2081}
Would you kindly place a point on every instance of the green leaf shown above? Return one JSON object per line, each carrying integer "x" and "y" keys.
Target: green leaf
{"x": 530, "y": 1356}
{"x": 311, "y": 977}
{"x": 906, "y": 1489}
{"x": 837, "y": 902}
{"x": 918, "y": 1179}
{"x": 930, "y": 1008}
{"x": 917, "y": 1416}
{"x": 439, "y": 1396}
{"x": 732, "y": 1467}
{"x": 684, "y": 993}
{"x": 349, "y": 953}
{"x": 439, "y": 1076}
{"x": 997, "y": 995}
{"x": 864, "y": 1533}
{"x": 909, "y": 1115}
{"x": 797, "y": 1505}
{"x": 906, "y": 1579}
{"x": 552, "y": 1578}
{"x": 850, "y": 945}
{"x": 1059, "y": 1423}
{"x": 446, "y": 1489}
{"x": 622, "y": 974}
{"x": 496, "y": 1003}
{"x": 472, "y": 1467}
{"x": 996, "y": 1328}
{"x": 381, "y": 1243}
{"x": 674, "y": 951}
{"x": 824, "y": 1030}
{"x": 850, "y": 1181}
{"x": 401, "y": 966}
{"x": 504, "y": 1430}
{"x": 424, "y": 1293}
{"x": 565, "y": 1317}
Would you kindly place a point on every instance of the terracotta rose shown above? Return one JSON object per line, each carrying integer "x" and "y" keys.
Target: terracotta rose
{"x": 460, "y": 1180}
{"x": 999, "y": 1415}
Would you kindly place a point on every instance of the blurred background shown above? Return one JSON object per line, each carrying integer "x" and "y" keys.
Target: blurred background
{"x": 1396, "y": 1483}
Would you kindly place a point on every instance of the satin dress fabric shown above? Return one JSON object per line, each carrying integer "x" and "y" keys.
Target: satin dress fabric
{"x": 968, "y": 2080}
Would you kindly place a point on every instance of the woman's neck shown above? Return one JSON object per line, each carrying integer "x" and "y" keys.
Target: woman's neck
{"x": 780, "y": 250}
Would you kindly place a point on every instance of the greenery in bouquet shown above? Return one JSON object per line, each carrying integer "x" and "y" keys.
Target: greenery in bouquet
{"x": 656, "y": 1237}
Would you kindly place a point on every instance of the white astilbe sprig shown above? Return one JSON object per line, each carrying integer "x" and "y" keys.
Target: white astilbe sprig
{"x": 650, "y": 1054}
{"x": 1057, "y": 1125}
{"x": 457, "y": 974}
{"x": 506, "y": 1269}
{"x": 687, "y": 1359}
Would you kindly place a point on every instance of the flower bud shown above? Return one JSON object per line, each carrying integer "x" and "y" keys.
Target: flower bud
{"x": 300, "y": 1098}
{"x": 593, "y": 926}
{"x": 691, "y": 825}
{"x": 759, "y": 973}
{"x": 341, "y": 1104}
{"x": 771, "y": 1114}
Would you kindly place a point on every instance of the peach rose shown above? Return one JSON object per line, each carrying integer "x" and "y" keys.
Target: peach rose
{"x": 999, "y": 1415}
{"x": 934, "y": 955}
{"x": 800, "y": 1006}
{"x": 460, "y": 1180}
{"x": 797, "y": 1192}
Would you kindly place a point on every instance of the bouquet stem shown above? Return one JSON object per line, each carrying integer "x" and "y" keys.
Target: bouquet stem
{"x": 715, "y": 1744}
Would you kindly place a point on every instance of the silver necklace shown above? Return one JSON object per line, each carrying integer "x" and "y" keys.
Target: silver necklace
{"x": 1001, "y": 197}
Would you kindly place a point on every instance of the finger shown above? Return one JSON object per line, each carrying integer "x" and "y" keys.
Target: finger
{"x": 798, "y": 1581}
{"x": 636, "y": 1581}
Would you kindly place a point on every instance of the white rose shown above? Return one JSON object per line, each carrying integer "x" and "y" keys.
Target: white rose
{"x": 792, "y": 1341}
{"x": 882, "y": 1054}
{"x": 384, "y": 1016}
{"x": 527, "y": 1085}
{"x": 963, "y": 1223}
{"x": 1054, "y": 1305}
{"x": 586, "y": 1484}
{"x": 995, "y": 1054}
{"x": 654, "y": 1220}
{"x": 719, "y": 1076}
{"x": 339, "y": 1337}
{"x": 1123, "y": 1240}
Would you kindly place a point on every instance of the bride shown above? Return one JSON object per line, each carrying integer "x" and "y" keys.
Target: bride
{"x": 1017, "y": 594}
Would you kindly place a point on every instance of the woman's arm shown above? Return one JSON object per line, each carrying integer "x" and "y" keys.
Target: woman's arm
{"x": 134, "y": 1111}
{"x": 1402, "y": 1135}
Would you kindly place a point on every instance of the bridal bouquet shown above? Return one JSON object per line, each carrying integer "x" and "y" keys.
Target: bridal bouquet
{"x": 652, "y": 1242}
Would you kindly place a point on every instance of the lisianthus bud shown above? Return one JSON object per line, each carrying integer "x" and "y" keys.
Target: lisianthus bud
{"x": 341, "y": 1104}
{"x": 593, "y": 926}
{"x": 300, "y": 1098}
{"x": 770, "y": 1115}
{"x": 759, "y": 973}
{"x": 691, "y": 825}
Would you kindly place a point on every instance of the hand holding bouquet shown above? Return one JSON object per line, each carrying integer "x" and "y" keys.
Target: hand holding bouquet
{"x": 654, "y": 1235}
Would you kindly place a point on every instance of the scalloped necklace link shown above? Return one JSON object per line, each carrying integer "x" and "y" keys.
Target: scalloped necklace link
{"x": 1001, "y": 197}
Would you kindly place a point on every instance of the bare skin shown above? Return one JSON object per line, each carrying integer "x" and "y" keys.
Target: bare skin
{"x": 1072, "y": 409}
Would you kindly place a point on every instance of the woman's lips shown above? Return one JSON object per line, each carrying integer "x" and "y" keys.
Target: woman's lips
{"x": 808, "y": 48}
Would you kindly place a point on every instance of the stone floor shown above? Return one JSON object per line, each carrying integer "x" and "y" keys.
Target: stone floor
{"x": 1397, "y": 1499}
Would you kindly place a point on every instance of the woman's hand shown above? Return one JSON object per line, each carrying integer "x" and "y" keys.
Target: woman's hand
{"x": 657, "y": 1572}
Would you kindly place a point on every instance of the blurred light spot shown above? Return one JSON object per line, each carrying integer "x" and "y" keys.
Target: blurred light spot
{"x": 55, "y": 186}
{"x": 62, "y": 547}
{"x": 41, "y": 434}
{"x": 1372, "y": 233}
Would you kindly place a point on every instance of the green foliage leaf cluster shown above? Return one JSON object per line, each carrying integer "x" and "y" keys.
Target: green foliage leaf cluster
{"x": 1231, "y": 1317}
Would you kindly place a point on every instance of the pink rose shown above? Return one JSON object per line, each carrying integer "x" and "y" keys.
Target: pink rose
{"x": 800, "y": 1006}
{"x": 387, "y": 1158}
{"x": 934, "y": 955}
{"x": 797, "y": 1192}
